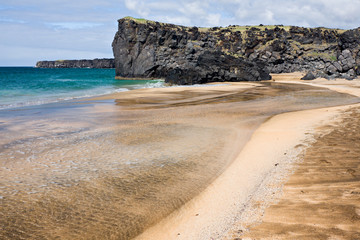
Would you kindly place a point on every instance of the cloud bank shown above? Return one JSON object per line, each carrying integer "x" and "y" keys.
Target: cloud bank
{"x": 35, "y": 30}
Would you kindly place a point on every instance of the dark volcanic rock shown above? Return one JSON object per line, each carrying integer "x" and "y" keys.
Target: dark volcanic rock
{"x": 180, "y": 55}
{"x": 84, "y": 63}
{"x": 350, "y": 39}
{"x": 308, "y": 76}
{"x": 184, "y": 55}
{"x": 217, "y": 67}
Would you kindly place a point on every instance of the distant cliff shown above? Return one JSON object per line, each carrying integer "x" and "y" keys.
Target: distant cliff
{"x": 84, "y": 63}
{"x": 187, "y": 55}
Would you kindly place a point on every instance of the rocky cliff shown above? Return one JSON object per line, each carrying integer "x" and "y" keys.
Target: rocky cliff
{"x": 84, "y": 63}
{"x": 187, "y": 55}
{"x": 179, "y": 54}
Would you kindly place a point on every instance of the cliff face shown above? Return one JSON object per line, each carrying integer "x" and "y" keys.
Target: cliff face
{"x": 196, "y": 55}
{"x": 84, "y": 63}
{"x": 179, "y": 54}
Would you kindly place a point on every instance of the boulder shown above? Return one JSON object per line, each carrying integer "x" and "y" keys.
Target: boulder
{"x": 331, "y": 69}
{"x": 309, "y": 76}
{"x": 346, "y": 53}
{"x": 338, "y": 66}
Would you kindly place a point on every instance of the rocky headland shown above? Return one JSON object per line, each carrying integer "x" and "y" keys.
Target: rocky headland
{"x": 189, "y": 55}
{"x": 83, "y": 63}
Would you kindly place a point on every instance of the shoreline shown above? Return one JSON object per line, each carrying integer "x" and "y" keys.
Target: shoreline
{"x": 197, "y": 132}
{"x": 108, "y": 95}
{"x": 136, "y": 78}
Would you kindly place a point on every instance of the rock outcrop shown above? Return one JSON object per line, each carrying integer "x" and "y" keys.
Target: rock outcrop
{"x": 188, "y": 55}
{"x": 84, "y": 63}
{"x": 180, "y": 55}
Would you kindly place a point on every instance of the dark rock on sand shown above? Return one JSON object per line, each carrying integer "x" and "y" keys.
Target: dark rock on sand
{"x": 308, "y": 76}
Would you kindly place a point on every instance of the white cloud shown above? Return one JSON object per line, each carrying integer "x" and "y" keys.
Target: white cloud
{"x": 328, "y": 13}
{"x": 179, "y": 20}
{"x": 138, "y": 6}
{"x": 74, "y": 25}
{"x": 268, "y": 16}
{"x": 9, "y": 20}
{"x": 193, "y": 8}
{"x": 131, "y": 4}
{"x": 91, "y": 24}
{"x": 164, "y": 6}
{"x": 213, "y": 19}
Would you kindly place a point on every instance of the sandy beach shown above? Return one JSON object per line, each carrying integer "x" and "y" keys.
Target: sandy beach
{"x": 254, "y": 181}
{"x": 198, "y": 162}
{"x": 321, "y": 199}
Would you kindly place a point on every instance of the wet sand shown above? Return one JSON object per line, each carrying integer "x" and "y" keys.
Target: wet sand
{"x": 321, "y": 199}
{"x": 112, "y": 167}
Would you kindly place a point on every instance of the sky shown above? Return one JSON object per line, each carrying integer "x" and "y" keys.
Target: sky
{"x": 34, "y": 30}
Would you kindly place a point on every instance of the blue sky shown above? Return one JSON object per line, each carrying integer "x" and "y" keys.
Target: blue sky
{"x": 33, "y": 30}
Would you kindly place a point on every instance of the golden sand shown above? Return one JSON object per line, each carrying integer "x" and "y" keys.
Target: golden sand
{"x": 321, "y": 200}
{"x": 171, "y": 163}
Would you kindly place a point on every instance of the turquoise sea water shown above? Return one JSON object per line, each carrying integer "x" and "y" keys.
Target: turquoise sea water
{"x": 23, "y": 86}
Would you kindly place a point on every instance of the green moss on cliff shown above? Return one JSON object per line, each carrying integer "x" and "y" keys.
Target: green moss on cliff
{"x": 323, "y": 55}
{"x": 235, "y": 28}
{"x": 260, "y": 27}
{"x": 139, "y": 20}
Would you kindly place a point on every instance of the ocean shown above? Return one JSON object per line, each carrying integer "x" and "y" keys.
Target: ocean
{"x": 24, "y": 86}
